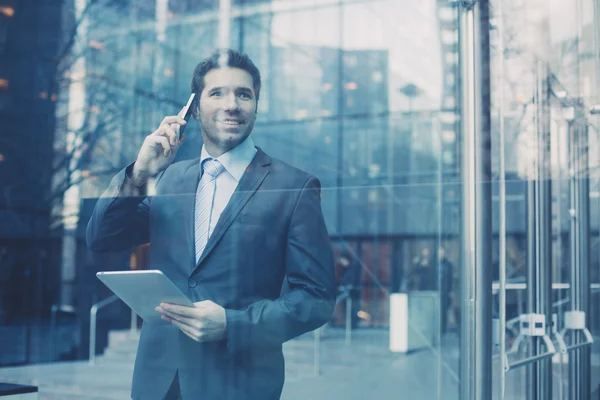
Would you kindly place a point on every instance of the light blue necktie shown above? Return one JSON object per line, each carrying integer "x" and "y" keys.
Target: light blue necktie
{"x": 205, "y": 197}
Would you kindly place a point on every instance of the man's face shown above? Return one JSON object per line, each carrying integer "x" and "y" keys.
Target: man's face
{"x": 344, "y": 262}
{"x": 441, "y": 253}
{"x": 227, "y": 109}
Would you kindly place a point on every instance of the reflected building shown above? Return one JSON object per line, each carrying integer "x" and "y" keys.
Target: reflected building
{"x": 29, "y": 44}
{"x": 28, "y": 96}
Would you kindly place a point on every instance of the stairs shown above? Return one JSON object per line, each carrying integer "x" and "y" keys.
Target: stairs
{"x": 108, "y": 379}
{"x": 299, "y": 353}
{"x": 121, "y": 349}
{"x": 110, "y": 376}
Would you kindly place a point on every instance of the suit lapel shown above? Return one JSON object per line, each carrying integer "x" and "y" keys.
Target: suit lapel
{"x": 189, "y": 184}
{"x": 252, "y": 178}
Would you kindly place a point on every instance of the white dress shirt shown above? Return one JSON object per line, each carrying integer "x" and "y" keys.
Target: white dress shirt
{"x": 235, "y": 162}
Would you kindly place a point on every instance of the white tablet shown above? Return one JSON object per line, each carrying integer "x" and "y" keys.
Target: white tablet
{"x": 143, "y": 291}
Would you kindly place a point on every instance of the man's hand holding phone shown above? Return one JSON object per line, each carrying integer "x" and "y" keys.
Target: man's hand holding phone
{"x": 160, "y": 147}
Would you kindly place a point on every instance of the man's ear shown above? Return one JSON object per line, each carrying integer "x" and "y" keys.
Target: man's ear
{"x": 196, "y": 110}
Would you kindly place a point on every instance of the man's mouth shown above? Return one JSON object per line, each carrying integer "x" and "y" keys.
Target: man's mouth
{"x": 231, "y": 122}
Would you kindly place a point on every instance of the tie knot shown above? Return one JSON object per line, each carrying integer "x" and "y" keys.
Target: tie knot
{"x": 212, "y": 167}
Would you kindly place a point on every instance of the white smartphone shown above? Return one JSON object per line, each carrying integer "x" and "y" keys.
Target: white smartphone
{"x": 142, "y": 291}
{"x": 187, "y": 113}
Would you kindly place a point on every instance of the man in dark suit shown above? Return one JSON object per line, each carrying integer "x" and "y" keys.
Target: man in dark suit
{"x": 241, "y": 233}
{"x": 350, "y": 281}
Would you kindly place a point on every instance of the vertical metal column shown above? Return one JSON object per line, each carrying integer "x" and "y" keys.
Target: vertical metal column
{"x": 539, "y": 240}
{"x": 579, "y": 360}
{"x": 340, "y": 123}
{"x": 476, "y": 201}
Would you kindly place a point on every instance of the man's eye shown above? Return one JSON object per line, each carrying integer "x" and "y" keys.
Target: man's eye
{"x": 216, "y": 93}
{"x": 245, "y": 96}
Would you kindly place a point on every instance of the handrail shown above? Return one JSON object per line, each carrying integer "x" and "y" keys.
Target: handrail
{"x": 342, "y": 296}
{"x": 64, "y": 308}
{"x": 515, "y": 320}
{"x": 557, "y": 303}
{"x": 345, "y": 295}
{"x": 562, "y": 347}
{"x": 317, "y": 351}
{"x": 529, "y": 360}
{"x": 523, "y": 286}
{"x": 348, "y": 319}
{"x": 93, "y": 313}
{"x": 589, "y": 340}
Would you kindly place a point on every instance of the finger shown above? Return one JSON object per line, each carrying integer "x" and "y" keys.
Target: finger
{"x": 203, "y": 304}
{"x": 191, "y": 322}
{"x": 169, "y": 131}
{"x": 176, "y": 128}
{"x": 180, "y": 142}
{"x": 158, "y": 141}
{"x": 189, "y": 331}
{"x": 173, "y": 119}
{"x": 185, "y": 311}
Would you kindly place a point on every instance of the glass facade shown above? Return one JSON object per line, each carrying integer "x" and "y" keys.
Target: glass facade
{"x": 429, "y": 198}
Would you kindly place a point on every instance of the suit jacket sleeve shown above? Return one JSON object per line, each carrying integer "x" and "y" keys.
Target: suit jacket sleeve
{"x": 308, "y": 293}
{"x": 120, "y": 218}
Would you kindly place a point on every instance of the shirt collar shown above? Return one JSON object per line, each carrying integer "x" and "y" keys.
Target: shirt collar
{"x": 236, "y": 160}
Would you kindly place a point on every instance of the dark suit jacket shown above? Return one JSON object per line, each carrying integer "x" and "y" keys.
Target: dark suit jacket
{"x": 269, "y": 263}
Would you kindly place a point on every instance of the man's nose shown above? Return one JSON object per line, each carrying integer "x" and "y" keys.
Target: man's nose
{"x": 231, "y": 102}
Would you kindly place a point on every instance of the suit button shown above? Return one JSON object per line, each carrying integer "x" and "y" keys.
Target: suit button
{"x": 192, "y": 283}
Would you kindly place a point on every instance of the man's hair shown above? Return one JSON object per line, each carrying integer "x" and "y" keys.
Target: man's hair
{"x": 347, "y": 254}
{"x": 225, "y": 58}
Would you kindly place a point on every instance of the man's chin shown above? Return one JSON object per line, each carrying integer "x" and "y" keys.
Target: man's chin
{"x": 231, "y": 140}
{"x": 226, "y": 140}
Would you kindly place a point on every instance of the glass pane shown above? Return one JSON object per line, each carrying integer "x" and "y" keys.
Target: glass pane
{"x": 553, "y": 42}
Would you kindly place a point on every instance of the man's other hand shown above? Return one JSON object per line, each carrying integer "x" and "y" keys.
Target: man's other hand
{"x": 203, "y": 323}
